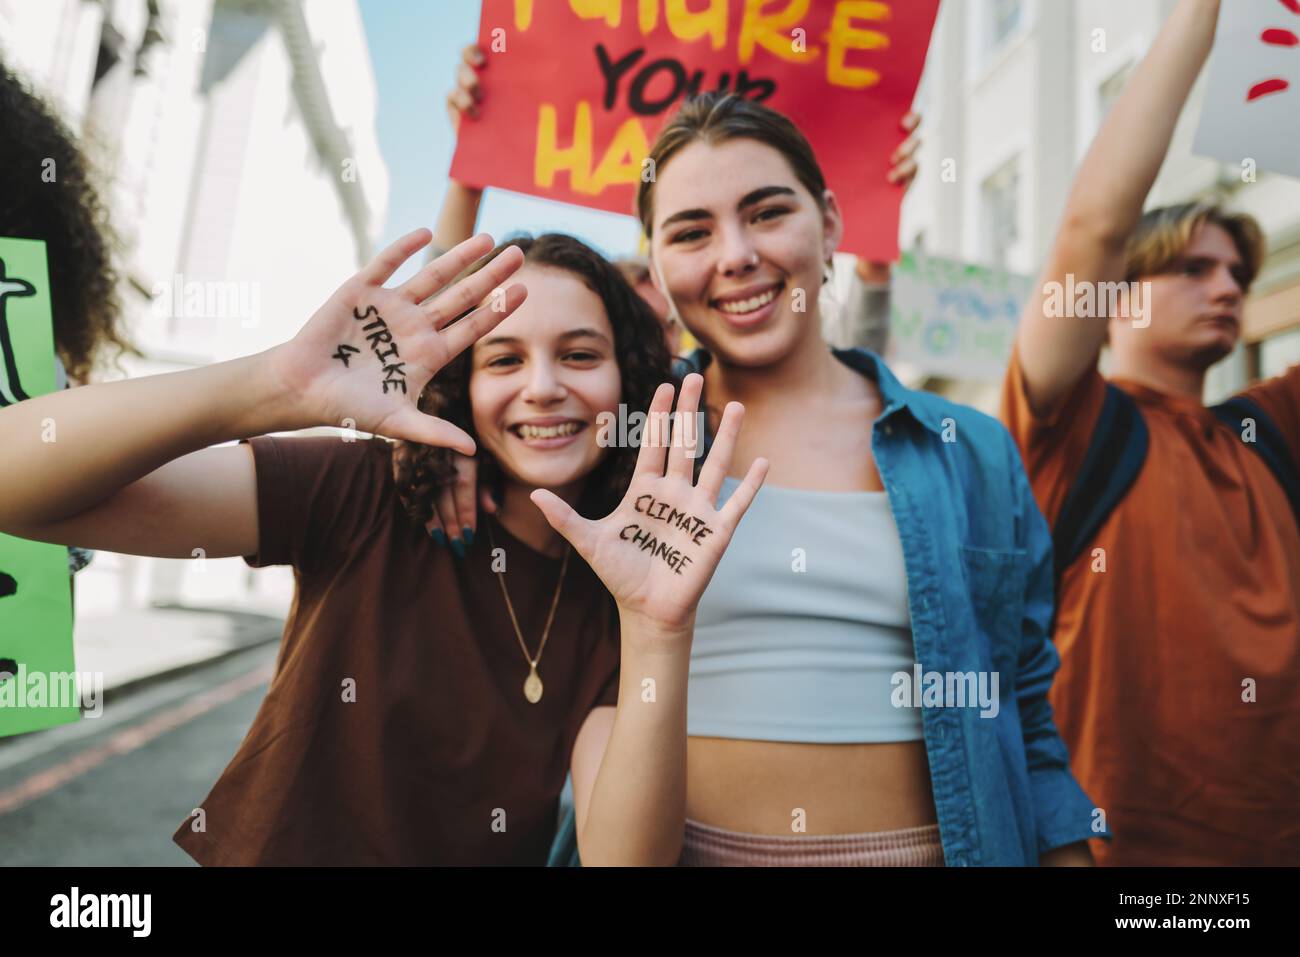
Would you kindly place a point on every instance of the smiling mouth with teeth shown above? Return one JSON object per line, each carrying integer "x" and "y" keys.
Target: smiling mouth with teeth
{"x": 546, "y": 431}
{"x": 742, "y": 306}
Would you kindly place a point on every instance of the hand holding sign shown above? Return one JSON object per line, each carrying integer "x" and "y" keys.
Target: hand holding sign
{"x": 467, "y": 93}
{"x": 369, "y": 351}
{"x": 657, "y": 551}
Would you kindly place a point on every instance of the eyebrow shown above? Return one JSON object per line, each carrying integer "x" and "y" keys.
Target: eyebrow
{"x": 566, "y": 337}
{"x": 749, "y": 199}
{"x": 1232, "y": 264}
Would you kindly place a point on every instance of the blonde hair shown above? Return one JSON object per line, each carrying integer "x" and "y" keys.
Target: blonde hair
{"x": 1163, "y": 234}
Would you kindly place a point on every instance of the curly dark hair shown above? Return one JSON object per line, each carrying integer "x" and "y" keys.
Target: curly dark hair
{"x": 66, "y": 213}
{"x": 420, "y": 471}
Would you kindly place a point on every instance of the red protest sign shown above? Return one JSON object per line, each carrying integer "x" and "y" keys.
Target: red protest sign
{"x": 575, "y": 91}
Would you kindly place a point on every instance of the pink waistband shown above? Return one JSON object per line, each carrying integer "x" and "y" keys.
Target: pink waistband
{"x": 709, "y": 846}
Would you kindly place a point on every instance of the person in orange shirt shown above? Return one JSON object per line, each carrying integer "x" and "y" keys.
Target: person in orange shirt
{"x": 1178, "y": 553}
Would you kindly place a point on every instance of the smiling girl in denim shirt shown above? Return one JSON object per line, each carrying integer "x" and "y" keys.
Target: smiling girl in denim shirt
{"x": 869, "y": 672}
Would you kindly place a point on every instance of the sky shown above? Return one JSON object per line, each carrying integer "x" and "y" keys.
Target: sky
{"x": 414, "y": 46}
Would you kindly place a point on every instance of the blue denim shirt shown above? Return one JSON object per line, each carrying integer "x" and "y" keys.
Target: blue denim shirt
{"x": 980, "y": 584}
{"x": 978, "y": 556}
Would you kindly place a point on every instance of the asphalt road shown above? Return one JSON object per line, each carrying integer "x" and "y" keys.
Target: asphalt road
{"x": 113, "y": 790}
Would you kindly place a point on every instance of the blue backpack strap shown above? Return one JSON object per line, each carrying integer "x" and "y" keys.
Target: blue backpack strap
{"x": 564, "y": 850}
{"x": 1270, "y": 444}
{"x": 1110, "y": 467}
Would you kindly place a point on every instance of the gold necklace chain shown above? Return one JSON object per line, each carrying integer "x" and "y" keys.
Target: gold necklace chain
{"x": 533, "y": 683}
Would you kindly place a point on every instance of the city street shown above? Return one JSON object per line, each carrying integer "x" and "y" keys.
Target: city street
{"x": 113, "y": 790}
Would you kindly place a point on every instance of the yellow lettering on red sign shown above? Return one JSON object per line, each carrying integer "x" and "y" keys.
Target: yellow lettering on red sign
{"x": 523, "y": 14}
{"x": 620, "y": 165}
{"x": 552, "y": 158}
{"x": 622, "y": 162}
{"x": 772, "y": 31}
{"x": 686, "y": 25}
{"x": 611, "y": 10}
{"x": 648, "y": 18}
{"x": 844, "y": 36}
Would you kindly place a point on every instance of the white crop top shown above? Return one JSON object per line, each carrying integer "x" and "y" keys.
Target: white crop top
{"x": 804, "y": 624}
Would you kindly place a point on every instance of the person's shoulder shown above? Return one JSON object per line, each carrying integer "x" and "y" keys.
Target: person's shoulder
{"x": 340, "y": 446}
{"x": 954, "y": 421}
{"x": 1285, "y": 387}
{"x": 976, "y": 424}
{"x": 342, "y": 456}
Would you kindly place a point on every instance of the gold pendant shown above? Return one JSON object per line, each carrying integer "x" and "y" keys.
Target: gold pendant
{"x": 533, "y": 686}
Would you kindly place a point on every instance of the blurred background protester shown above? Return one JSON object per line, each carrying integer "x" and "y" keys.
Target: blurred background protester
{"x": 636, "y": 270}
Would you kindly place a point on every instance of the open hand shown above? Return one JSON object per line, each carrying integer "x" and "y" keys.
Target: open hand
{"x": 364, "y": 357}
{"x": 657, "y": 551}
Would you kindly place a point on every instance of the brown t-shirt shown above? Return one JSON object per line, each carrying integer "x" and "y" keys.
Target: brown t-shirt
{"x": 395, "y": 730}
{"x": 1201, "y": 591}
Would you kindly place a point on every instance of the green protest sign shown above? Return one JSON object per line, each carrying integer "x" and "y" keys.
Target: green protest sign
{"x": 954, "y": 319}
{"x": 37, "y": 673}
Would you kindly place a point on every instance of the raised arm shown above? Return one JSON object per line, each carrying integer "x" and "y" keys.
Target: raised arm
{"x": 655, "y": 554}
{"x": 124, "y": 466}
{"x": 1106, "y": 201}
{"x": 458, "y": 217}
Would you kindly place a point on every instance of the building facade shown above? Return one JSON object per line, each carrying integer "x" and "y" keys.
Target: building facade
{"x": 1013, "y": 94}
{"x": 234, "y": 144}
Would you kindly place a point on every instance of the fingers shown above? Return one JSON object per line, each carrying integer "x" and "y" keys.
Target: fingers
{"x": 467, "y": 83}
{"x": 688, "y": 403}
{"x": 455, "y": 301}
{"x": 414, "y": 426}
{"x": 382, "y": 267}
{"x": 466, "y": 94}
{"x": 462, "y": 102}
{"x": 724, "y": 444}
{"x": 437, "y": 529}
{"x": 903, "y": 159}
{"x": 906, "y": 149}
{"x": 903, "y": 173}
{"x": 450, "y": 519}
{"x": 740, "y": 500}
{"x": 461, "y": 335}
{"x": 463, "y": 493}
{"x": 486, "y": 501}
{"x": 579, "y": 532}
{"x": 650, "y": 460}
{"x": 446, "y": 267}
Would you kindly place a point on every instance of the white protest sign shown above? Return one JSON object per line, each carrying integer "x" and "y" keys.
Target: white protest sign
{"x": 952, "y": 319}
{"x": 1251, "y": 116}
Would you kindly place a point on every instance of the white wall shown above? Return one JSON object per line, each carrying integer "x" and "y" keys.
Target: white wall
{"x": 212, "y": 168}
{"x": 1038, "y": 99}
